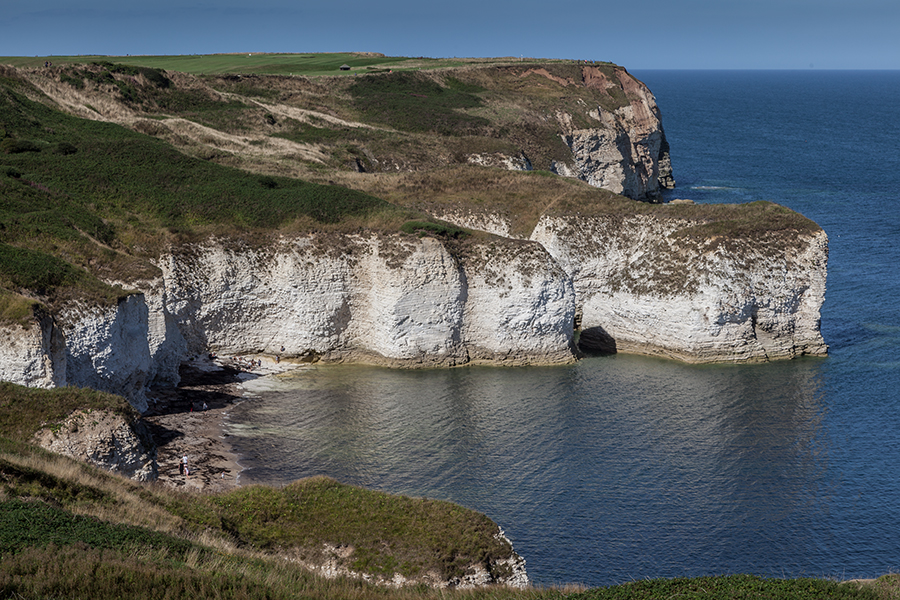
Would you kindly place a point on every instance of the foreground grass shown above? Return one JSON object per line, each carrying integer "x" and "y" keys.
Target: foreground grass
{"x": 70, "y": 530}
{"x": 731, "y": 587}
{"x": 50, "y": 504}
{"x": 25, "y": 410}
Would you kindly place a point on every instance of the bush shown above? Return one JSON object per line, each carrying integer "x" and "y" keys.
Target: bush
{"x": 155, "y": 76}
{"x": 75, "y": 82}
{"x": 268, "y": 182}
{"x": 438, "y": 229}
{"x": 412, "y": 102}
{"x": 33, "y": 270}
{"x": 65, "y": 148}
{"x": 14, "y": 146}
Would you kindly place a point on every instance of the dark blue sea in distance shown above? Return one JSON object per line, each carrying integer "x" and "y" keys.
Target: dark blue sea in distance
{"x": 625, "y": 467}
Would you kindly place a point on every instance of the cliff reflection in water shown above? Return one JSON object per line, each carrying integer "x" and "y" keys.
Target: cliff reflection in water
{"x": 613, "y": 468}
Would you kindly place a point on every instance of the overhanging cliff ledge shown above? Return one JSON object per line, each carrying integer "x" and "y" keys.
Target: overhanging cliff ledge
{"x": 406, "y": 218}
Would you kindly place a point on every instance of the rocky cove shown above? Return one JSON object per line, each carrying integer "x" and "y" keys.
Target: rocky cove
{"x": 408, "y": 301}
{"x": 585, "y": 273}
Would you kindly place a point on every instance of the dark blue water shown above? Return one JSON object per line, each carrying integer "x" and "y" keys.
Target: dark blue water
{"x": 624, "y": 467}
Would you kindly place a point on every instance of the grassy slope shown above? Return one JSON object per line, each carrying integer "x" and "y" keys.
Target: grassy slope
{"x": 47, "y": 499}
{"x": 82, "y": 201}
{"x": 71, "y": 530}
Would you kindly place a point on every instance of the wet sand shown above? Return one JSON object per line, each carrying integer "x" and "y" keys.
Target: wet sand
{"x": 182, "y": 427}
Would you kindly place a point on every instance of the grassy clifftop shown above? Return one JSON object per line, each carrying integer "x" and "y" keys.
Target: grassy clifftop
{"x": 104, "y": 163}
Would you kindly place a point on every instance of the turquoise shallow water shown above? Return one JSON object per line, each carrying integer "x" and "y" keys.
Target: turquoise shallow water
{"x": 626, "y": 467}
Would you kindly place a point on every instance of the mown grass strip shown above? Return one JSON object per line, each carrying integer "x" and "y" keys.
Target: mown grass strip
{"x": 210, "y": 64}
{"x": 731, "y": 587}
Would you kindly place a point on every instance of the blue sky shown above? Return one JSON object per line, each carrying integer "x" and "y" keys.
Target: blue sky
{"x": 653, "y": 34}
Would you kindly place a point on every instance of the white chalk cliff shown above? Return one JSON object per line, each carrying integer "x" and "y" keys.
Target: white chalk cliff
{"x": 83, "y": 346}
{"x": 642, "y": 289}
{"x": 401, "y": 300}
{"x": 386, "y": 299}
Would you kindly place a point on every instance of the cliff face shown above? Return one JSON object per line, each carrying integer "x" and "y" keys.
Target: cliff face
{"x": 626, "y": 152}
{"x": 613, "y": 132}
{"x": 635, "y": 284}
{"x": 105, "y": 440}
{"x": 101, "y": 348}
{"x": 106, "y": 349}
{"x": 508, "y": 571}
{"x": 33, "y": 356}
{"x": 383, "y": 299}
{"x": 643, "y": 289}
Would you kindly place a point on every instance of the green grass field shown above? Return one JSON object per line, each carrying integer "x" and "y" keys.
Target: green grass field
{"x": 251, "y": 63}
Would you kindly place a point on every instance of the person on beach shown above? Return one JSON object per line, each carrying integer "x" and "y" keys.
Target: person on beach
{"x": 184, "y": 466}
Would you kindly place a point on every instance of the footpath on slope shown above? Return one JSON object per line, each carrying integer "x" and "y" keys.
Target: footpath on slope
{"x": 190, "y": 421}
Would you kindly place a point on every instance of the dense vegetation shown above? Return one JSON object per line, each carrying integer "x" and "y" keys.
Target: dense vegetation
{"x": 113, "y": 173}
{"x": 413, "y": 102}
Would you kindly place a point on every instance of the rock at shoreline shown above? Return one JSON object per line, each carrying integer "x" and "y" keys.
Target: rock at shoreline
{"x": 106, "y": 440}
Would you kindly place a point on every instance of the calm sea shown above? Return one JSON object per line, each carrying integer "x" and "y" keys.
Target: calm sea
{"x": 624, "y": 467}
